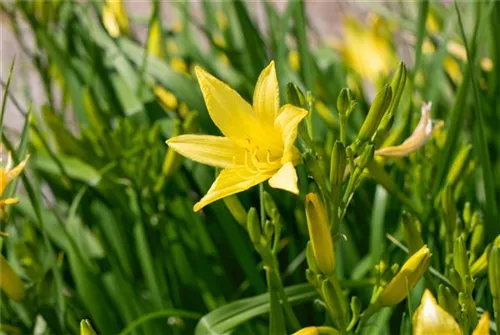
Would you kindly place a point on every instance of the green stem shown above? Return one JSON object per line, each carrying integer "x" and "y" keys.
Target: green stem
{"x": 262, "y": 210}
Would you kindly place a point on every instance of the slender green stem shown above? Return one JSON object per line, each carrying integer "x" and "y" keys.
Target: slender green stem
{"x": 262, "y": 210}
{"x": 160, "y": 314}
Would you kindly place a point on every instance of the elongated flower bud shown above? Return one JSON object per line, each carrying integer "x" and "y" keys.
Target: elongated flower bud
{"x": 477, "y": 239}
{"x": 448, "y": 300}
{"x": 430, "y": 318}
{"x": 319, "y": 233}
{"x": 294, "y": 95}
{"x": 253, "y": 226}
{"x": 115, "y": 18}
{"x": 460, "y": 259}
{"x": 155, "y": 46}
{"x": 459, "y": 165}
{"x": 317, "y": 331}
{"x": 377, "y": 110}
{"x": 86, "y": 328}
{"x": 409, "y": 275}
{"x": 344, "y": 101}
{"x": 333, "y": 299}
{"x": 271, "y": 208}
{"x": 448, "y": 209}
{"x": 412, "y": 234}
{"x": 494, "y": 272}
{"x": 480, "y": 265}
{"x": 337, "y": 164}
{"x": 311, "y": 259}
{"x": 10, "y": 283}
{"x": 397, "y": 85}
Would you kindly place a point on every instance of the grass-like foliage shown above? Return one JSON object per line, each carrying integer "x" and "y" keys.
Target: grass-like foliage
{"x": 216, "y": 175}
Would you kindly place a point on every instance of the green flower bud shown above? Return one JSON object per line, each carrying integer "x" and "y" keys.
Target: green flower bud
{"x": 268, "y": 230}
{"x": 460, "y": 259}
{"x": 294, "y": 95}
{"x": 366, "y": 156}
{"x": 477, "y": 239}
{"x": 448, "y": 209}
{"x": 397, "y": 86}
{"x": 494, "y": 273}
{"x": 458, "y": 166}
{"x": 338, "y": 164}
{"x": 455, "y": 279}
{"x": 480, "y": 266}
{"x": 253, "y": 226}
{"x": 409, "y": 275}
{"x": 10, "y": 283}
{"x": 271, "y": 208}
{"x": 412, "y": 234}
{"x": 319, "y": 233}
{"x": 379, "y": 106}
{"x": 86, "y": 328}
{"x": 333, "y": 297}
{"x": 344, "y": 101}
{"x": 475, "y": 220}
{"x": 311, "y": 278}
{"x": 466, "y": 215}
{"x": 311, "y": 260}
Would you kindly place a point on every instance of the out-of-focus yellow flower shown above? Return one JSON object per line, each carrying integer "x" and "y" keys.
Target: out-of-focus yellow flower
{"x": 366, "y": 51}
{"x": 294, "y": 60}
{"x": 219, "y": 41}
{"x": 224, "y": 59}
{"x": 86, "y": 328}
{"x": 179, "y": 64}
{"x": 154, "y": 45}
{"x": 409, "y": 275}
{"x": 319, "y": 234}
{"x": 483, "y": 326}
{"x": 312, "y": 330}
{"x": 430, "y": 318}
{"x": 114, "y": 18}
{"x": 166, "y": 98}
{"x": 10, "y": 283}
{"x": 221, "y": 19}
{"x": 258, "y": 142}
{"x": 417, "y": 139}
{"x": 453, "y": 69}
{"x": 7, "y": 174}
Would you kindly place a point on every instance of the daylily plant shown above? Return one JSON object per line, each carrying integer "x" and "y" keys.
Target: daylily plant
{"x": 258, "y": 141}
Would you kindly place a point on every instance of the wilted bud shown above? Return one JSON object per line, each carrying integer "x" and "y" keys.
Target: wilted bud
{"x": 480, "y": 266}
{"x": 344, "y": 101}
{"x": 460, "y": 259}
{"x": 338, "y": 164}
{"x": 294, "y": 95}
{"x": 319, "y": 233}
{"x": 494, "y": 272}
{"x": 458, "y": 166}
{"x": 430, "y": 318}
{"x": 333, "y": 299}
{"x": 409, "y": 275}
{"x": 483, "y": 326}
{"x": 86, "y": 328}
{"x": 448, "y": 300}
{"x": 377, "y": 110}
{"x": 10, "y": 283}
{"x": 412, "y": 234}
{"x": 448, "y": 209}
{"x": 253, "y": 226}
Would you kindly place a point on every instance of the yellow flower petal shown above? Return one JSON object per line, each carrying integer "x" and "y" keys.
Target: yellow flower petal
{"x": 9, "y": 201}
{"x": 266, "y": 97}
{"x": 227, "y": 109}
{"x": 206, "y": 149}
{"x": 285, "y": 179}
{"x": 288, "y": 121}
{"x": 483, "y": 327}
{"x": 430, "y": 318}
{"x": 229, "y": 182}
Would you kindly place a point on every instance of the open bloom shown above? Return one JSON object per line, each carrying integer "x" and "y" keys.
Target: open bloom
{"x": 7, "y": 174}
{"x": 258, "y": 141}
{"x": 417, "y": 139}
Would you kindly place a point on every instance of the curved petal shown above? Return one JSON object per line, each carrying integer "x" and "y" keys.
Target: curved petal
{"x": 285, "y": 179}
{"x": 287, "y": 121}
{"x": 228, "y": 182}
{"x": 211, "y": 150}
{"x": 266, "y": 97}
{"x": 227, "y": 109}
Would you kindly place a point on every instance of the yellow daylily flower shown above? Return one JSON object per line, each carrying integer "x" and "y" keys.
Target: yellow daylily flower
{"x": 483, "y": 326}
{"x": 417, "y": 139}
{"x": 10, "y": 283}
{"x": 366, "y": 51}
{"x": 430, "y": 318}
{"x": 312, "y": 330}
{"x": 258, "y": 141}
{"x": 7, "y": 174}
{"x": 114, "y": 18}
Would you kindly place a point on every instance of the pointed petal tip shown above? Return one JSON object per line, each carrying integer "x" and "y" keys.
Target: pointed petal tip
{"x": 197, "y": 207}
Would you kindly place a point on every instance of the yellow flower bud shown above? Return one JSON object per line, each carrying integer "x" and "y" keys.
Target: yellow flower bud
{"x": 114, "y": 18}
{"x": 377, "y": 110}
{"x": 319, "y": 233}
{"x": 10, "y": 283}
{"x": 86, "y": 328}
{"x": 155, "y": 45}
{"x": 430, "y": 318}
{"x": 312, "y": 330}
{"x": 409, "y": 275}
{"x": 166, "y": 98}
